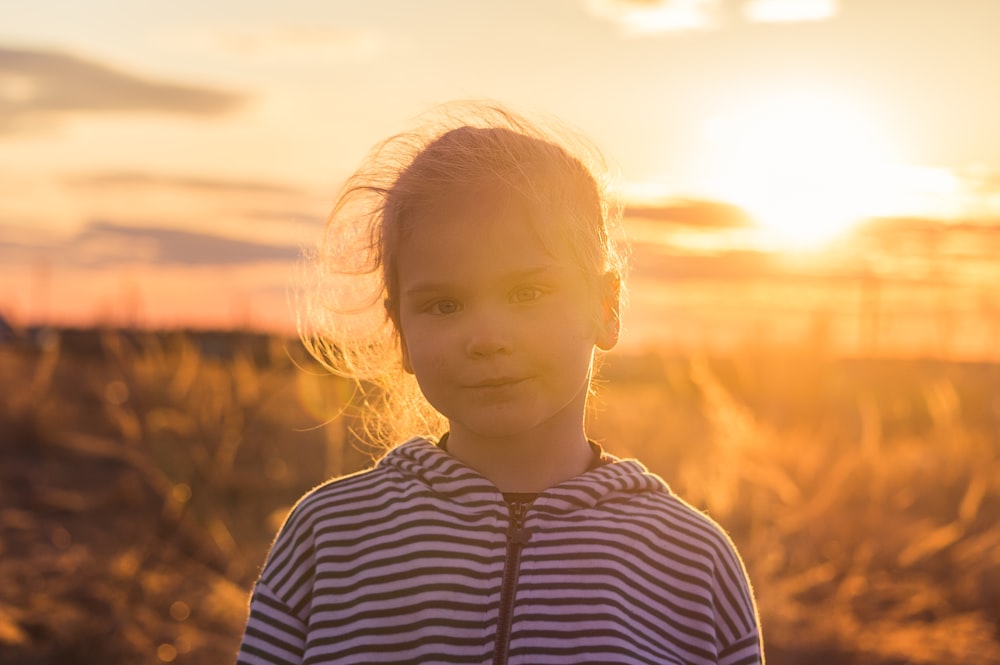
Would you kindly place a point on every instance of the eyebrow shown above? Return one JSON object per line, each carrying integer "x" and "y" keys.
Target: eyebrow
{"x": 533, "y": 272}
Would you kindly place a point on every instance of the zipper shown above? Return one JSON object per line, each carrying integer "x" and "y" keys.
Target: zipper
{"x": 517, "y": 537}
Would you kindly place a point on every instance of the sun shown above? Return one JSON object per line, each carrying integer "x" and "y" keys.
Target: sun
{"x": 805, "y": 166}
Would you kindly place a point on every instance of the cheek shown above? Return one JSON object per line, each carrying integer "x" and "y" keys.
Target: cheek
{"x": 423, "y": 351}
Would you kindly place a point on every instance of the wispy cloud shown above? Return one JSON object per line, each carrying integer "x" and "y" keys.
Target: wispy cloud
{"x": 103, "y": 244}
{"x": 650, "y": 17}
{"x": 789, "y": 11}
{"x": 139, "y": 179}
{"x": 662, "y": 264}
{"x": 692, "y": 213}
{"x": 107, "y": 243}
{"x": 38, "y": 86}
{"x": 902, "y": 251}
{"x": 643, "y": 17}
{"x": 261, "y": 208}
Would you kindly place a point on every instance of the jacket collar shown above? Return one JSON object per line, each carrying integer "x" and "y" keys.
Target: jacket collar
{"x": 423, "y": 461}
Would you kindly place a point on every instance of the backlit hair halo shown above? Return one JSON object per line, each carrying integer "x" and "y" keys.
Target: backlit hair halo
{"x": 346, "y": 296}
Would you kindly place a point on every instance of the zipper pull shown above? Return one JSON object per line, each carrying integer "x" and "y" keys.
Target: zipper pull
{"x": 517, "y": 534}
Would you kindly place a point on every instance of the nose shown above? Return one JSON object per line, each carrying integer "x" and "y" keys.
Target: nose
{"x": 488, "y": 334}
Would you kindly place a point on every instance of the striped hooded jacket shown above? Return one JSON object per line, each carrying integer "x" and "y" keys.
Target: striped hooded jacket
{"x": 420, "y": 560}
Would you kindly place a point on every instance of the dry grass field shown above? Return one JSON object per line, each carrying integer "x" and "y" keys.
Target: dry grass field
{"x": 143, "y": 475}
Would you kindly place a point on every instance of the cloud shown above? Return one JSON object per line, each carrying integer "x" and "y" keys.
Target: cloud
{"x": 37, "y": 86}
{"x": 789, "y": 11}
{"x": 650, "y": 17}
{"x": 103, "y": 244}
{"x": 911, "y": 252}
{"x": 136, "y": 179}
{"x": 268, "y": 206}
{"x": 643, "y": 17}
{"x": 663, "y": 264}
{"x": 692, "y": 213}
{"x": 965, "y": 240}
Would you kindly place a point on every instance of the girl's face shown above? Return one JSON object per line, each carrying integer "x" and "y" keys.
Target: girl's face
{"x": 499, "y": 332}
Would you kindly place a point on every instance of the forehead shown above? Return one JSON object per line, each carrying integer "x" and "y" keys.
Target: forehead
{"x": 471, "y": 245}
{"x": 484, "y": 215}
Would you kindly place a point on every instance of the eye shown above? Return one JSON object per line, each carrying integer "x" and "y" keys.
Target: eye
{"x": 443, "y": 307}
{"x": 526, "y": 294}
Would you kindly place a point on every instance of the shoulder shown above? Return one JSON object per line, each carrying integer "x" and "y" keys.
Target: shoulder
{"x": 692, "y": 537}
{"x": 335, "y": 505}
{"x": 342, "y": 496}
{"x": 642, "y": 506}
{"x": 625, "y": 499}
{"x": 343, "y": 499}
{"x": 340, "y": 491}
{"x": 644, "y": 497}
{"x": 698, "y": 532}
{"x": 687, "y": 525}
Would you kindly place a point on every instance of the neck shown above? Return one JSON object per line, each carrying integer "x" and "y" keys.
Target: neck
{"x": 529, "y": 464}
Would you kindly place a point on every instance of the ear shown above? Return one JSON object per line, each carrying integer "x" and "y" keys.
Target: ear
{"x": 609, "y": 317}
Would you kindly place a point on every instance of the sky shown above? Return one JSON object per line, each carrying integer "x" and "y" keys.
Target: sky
{"x": 793, "y": 169}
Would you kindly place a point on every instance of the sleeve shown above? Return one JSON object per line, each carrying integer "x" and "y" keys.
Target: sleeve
{"x": 277, "y": 627}
{"x": 737, "y": 621}
{"x": 745, "y": 651}
{"x": 274, "y": 634}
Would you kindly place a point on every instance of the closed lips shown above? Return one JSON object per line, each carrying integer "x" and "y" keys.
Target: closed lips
{"x": 496, "y": 383}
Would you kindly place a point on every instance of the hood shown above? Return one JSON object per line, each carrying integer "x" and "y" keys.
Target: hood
{"x": 422, "y": 461}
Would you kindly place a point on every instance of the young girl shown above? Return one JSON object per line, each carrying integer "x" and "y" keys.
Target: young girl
{"x": 502, "y": 534}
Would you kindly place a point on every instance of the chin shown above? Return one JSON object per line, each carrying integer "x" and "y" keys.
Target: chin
{"x": 499, "y": 427}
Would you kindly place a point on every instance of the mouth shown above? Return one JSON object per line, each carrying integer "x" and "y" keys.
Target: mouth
{"x": 498, "y": 382}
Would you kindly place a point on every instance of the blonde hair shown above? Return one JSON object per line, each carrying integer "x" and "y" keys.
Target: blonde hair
{"x": 349, "y": 317}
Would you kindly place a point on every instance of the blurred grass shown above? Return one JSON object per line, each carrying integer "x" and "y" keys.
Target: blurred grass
{"x": 143, "y": 476}
{"x": 864, "y": 495}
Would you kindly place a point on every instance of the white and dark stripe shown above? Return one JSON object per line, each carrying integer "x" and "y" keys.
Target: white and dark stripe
{"x": 403, "y": 564}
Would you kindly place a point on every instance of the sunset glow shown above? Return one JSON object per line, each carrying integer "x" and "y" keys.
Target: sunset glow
{"x": 220, "y": 304}
{"x": 806, "y": 166}
{"x": 170, "y": 168}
